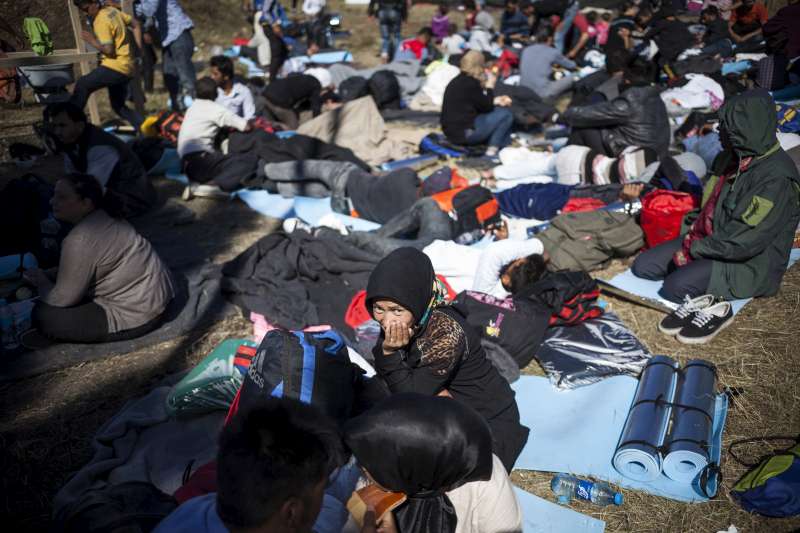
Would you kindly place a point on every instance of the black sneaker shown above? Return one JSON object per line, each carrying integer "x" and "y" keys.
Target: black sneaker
{"x": 682, "y": 316}
{"x": 706, "y": 324}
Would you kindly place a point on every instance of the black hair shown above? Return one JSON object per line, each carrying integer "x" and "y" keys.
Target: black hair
{"x": 470, "y": 5}
{"x": 639, "y": 74}
{"x": 710, "y": 10}
{"x": 86, "y": 186}
{"x": 72, "y": 111}
{"x": 224, "y": 64}
{"x": 617, "y": 60}
{"x": 80, "y": 3}
{"x": 544, "y": 33}
{"x": 426, "y": 30}
{"x": 512, "y": 3}
{"x": 206, "y": 88}
{"x": 591, "y": 16}
{"x": 524, "y": 274}
{"x": 452, "y": 28}
{"x": 643, "y": 17}
{"x": 278, "y": 449}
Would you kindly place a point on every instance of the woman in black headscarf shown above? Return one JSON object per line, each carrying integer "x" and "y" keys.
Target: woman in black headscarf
{"x": 427, "y": 347}
{"x": 437, "y": 452}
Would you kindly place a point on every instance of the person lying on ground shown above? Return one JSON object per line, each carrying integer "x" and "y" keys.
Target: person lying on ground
{"x": 427, "y": 347}
{"x": 353, "y": 191}
{"x": 416, "y": 48}
{"x": 88, "y": 149}
{"x": 738, "y": 245}
{"x": 427, "y": 220}
{"x": 111, "y": 38}
{"x": 299, "y": 97}
{"x": 745, "y": 26}
{"x": 481, "y": 36}
{"x": 471, "y": 114}
{"x": 202, "y": 124}
{"x": 717, "y": 38}
{"x": 274, "y": 462}
{"x": 637, "y": 117}
{"x": 233, "y": 96}
{"x": 536, "y": 67}
{"x": 110, "y": 285}
{"x": 452, "y": 480}
{"x": 506, "y": 266}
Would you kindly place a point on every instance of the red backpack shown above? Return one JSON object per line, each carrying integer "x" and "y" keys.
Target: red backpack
{"x": 662, "y": 215}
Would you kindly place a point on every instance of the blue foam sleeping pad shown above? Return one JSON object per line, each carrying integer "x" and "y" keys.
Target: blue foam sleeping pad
{"x": 577, "y": 431}
{"x": 649, "y": 289}
{"x": 542, "y": 516}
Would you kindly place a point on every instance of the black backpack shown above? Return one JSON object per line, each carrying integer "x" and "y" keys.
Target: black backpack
{"x": 475, "y": 208}
{"x": 385, "y": 89}
{"x": 353, "y": 87}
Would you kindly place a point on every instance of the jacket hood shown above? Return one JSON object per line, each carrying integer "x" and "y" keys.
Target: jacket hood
{"x": 404, "y": 276}
{"x": 751, "y": 122}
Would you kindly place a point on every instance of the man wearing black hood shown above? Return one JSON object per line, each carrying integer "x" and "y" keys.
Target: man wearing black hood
{"x": 671, "y": 35}
{"x": 428, "y": 347}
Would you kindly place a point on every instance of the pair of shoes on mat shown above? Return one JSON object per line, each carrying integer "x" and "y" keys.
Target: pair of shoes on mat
{"x": 697, "y": 320}
{"x": 328, "y": 221}
{"x": 202, "y": 190}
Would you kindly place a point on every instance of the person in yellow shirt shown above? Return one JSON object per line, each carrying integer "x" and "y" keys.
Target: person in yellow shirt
{"x": 110, "y": 36}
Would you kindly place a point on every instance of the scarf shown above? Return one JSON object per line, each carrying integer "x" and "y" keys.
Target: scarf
{"x": 422, "y": 446}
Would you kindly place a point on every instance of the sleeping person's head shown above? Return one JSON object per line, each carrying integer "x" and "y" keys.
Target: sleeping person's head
{"x": 273, "y": 464}
{"x": 521, "y": 273}
{"x": 75, "y": 196}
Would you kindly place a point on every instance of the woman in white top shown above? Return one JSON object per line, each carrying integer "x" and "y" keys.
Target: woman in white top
{"x": 438, "y": 452}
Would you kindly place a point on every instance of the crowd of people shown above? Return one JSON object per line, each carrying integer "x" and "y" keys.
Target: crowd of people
{"x": 612, "y": 92}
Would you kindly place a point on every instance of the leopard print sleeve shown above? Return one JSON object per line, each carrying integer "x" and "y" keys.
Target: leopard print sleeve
{"x": 443, "y": 344}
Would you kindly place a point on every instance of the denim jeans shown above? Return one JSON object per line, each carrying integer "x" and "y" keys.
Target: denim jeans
{"x": 493, "y": 128}
{"x": 294, "y": 177}
{"x": 690, "y": 280}
{"x": 561, "y": 34}
{"x": 390, "y": 22}
{"x": 117, "y": 84}
{"x": 418, "y": 226}
{"x": 723, "y": 47}
{"x": 179, "y": 73}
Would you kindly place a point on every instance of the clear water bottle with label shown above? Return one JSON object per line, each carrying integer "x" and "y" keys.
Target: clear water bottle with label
{"x": 567, "y": 487}
{"x": 8, "y": 327}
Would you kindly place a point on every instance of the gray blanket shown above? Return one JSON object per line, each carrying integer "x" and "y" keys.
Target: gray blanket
{"x": 141, "y": 443}
{"x": 407, "y": 75}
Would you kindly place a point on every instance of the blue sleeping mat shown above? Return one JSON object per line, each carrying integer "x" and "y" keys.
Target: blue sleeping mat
{"x": 649, "y": 289}
{"x": 577, "y": 431}
{"x": 169, "y": 162}
{"x": 542, "y": 516}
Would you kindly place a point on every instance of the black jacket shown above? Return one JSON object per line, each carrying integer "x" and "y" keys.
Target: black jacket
{"x": 636, "y": 118}
{"x": 296, "y": 91}
{"x": 671, "y": 36}
{"x": 464, "y": 99}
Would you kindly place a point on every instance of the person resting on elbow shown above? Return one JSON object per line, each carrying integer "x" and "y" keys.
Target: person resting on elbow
{"x": 111, "y": 284}
{"x": 427, "y": 347}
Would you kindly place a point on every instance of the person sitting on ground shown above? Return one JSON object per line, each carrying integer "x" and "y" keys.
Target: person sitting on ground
{"x": 745, "y": 26}
{"x": 117, "y": 66}
{"x": 481, "y": 36}
{"x": 471, "y": 10}
{"x": 274, "y": 462}
{"x": 233, "y": 96}
{"x": 204, "y": 121}
{"x": 536, "y": 67}
{"x": 88, "y": 149}
{"x": 717, "y": 37}
{"x": 637, "y": 117}
{"x": 601, "y": 27}
{"x": 780, "y": 31}
{"x": 111, "y": 285}
{"x": 738, "y": 245}
{"x": 581, "y": 35}
{"x": 416, "y": 48}
{"x": 453, "y": 43}
{"x": 440, "y": 23}
{"x": 299, "y": 96}
{"x": 471, "y": 114}
{"x": 671, "y": 35}
{"x": 514, "y": 24}
{"x": 620, "y": 30}
{"x": 452, "y": 480}
{"x": 427, "y": 347}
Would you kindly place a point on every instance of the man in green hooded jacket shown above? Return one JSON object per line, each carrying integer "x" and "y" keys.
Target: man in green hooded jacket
{"x": 738, "y": 244}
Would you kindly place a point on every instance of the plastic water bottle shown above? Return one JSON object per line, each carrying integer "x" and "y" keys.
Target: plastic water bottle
{"x": 566, "y": 487}
{"x": 9, "y": 333}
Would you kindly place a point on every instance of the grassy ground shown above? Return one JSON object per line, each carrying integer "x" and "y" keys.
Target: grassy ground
{"x": 47, "y": 421}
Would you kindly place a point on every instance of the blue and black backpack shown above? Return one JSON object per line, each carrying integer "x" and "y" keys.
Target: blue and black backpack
{"x": 772, "y": 487}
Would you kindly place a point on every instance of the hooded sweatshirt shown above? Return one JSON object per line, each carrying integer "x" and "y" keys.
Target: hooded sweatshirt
{"x": 758, "y": 207}
{"x": 445, "y": 352}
